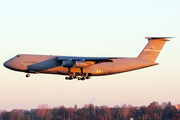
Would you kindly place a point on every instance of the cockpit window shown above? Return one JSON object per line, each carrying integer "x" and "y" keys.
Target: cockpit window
{"x": 17, "y": 55}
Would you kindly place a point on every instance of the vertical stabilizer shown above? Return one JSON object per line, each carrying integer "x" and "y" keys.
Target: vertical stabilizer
{"x": 153, "y": 48}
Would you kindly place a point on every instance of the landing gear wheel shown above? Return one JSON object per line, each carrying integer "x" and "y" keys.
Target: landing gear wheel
{"x": 83, "y": 78}
{"x": 88, "y": 77}
{"x": 67, "y": 78}
{"x": 75, "y": 76}
{"x": 79, "y": 78}
{"x": 27, "y": 75}
{"x": 70, "y": 77}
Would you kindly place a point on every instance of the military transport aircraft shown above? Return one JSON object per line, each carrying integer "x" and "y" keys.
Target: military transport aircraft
{"x": 85, "y": 67}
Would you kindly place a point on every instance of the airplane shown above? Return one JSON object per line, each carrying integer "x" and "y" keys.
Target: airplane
{"x": 84, "y": 67}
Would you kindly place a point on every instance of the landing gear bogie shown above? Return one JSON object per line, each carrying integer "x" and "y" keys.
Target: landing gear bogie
{"x": 82, "y": 76}
{"x": 68, "y": 78}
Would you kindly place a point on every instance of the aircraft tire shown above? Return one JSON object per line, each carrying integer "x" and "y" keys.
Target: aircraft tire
{"x": 83, "y": 78}
{"x": 67, "y": 78}
{"x": 71, "y": 77}
{"x": 75, "y": 76}
{"x": 27, "y": 75}
{"x": 88, "y": 77}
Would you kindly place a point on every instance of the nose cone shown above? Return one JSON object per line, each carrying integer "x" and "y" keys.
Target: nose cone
{"x": 11, "y": 64}
{"x": 6, "y": 64}
{"x": 15, "y": 63}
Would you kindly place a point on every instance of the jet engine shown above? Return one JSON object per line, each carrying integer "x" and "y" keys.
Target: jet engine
{"x": 68, "y": 63}
{"x": 81, "y": 64}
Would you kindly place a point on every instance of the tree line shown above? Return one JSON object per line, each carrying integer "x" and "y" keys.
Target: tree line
{"x": 154, "y": 111}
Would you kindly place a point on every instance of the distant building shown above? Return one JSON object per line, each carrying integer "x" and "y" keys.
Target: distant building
{"x": 32, "y": 111}
{"x": 20, "y": 110}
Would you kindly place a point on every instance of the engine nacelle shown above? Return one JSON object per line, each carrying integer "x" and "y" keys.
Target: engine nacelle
{"x": 81, "y": 64}
{"x": 67, "y": 63}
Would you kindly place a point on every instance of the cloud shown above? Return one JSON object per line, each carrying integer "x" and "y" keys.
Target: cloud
{"x": 93, "y": 100}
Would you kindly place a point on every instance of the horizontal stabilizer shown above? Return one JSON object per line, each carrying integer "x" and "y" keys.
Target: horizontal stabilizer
{"x": 159, "y": 38}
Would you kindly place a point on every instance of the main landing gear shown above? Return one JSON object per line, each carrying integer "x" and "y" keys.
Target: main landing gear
{"x": 82, "y": 77}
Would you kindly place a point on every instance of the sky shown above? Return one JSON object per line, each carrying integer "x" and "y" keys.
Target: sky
{"x": 89, "y": 28}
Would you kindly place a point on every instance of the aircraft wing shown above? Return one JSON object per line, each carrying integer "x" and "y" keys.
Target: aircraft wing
{"x": 82, "y": 62}
{"x": 95, "y": 60}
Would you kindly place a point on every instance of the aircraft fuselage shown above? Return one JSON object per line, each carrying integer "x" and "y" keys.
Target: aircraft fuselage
{"x": 49, "y": 64}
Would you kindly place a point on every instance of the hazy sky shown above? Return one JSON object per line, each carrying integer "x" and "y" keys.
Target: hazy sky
{"x": 89, "y": 28}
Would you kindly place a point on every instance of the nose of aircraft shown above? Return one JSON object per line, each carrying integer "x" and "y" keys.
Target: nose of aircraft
{"x": 7, "y": 64}
{"x": 14, "y": 64}
{"x": 11, "y": 64}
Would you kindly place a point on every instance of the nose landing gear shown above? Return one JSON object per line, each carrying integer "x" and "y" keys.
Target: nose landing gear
{"x": 27, "y": 75}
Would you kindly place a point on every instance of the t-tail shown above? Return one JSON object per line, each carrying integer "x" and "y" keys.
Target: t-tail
{"x": 153, "y": 48}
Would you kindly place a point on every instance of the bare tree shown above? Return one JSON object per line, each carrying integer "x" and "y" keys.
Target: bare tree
{"x": 44, "y": 112}
{"x": 163, "y": 105}
{"x": 125, "y": 111}
{"x": 108, "y": 113}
